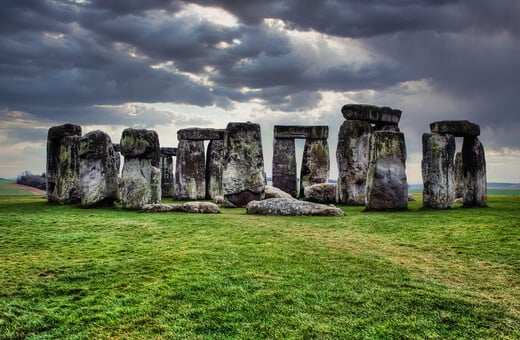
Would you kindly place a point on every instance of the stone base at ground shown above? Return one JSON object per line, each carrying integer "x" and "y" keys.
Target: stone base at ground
{"x": 289, "y": 207}
{"x": 189, "y": 207}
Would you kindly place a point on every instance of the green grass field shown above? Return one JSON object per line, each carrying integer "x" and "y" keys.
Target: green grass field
{"x": 68, "y": 272}
{"x": 8, "y": 190}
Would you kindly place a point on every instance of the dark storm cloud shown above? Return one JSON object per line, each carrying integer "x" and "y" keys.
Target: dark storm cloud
{"x": 63, "y": 57}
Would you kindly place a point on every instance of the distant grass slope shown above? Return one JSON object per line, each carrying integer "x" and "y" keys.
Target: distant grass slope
{"x": 8, "y": 190}
{"x": 83, "y": 273}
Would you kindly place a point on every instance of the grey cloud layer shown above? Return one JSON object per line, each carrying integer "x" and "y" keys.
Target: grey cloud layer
{"x": 61, "y": 57}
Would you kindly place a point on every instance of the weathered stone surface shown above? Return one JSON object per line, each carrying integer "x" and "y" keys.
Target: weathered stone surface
{"x": 458, "y": 128}
{"x": 62, "y": 169}
{"x": 98, "y": 170}
{"x": 352, "y": 158}
{"x": 189, "y": 207}
{"x": 56, "y": 133}
{"x": 243, "y": 176}
{"x": 301, "y": 132}
{"x": 274, "y": 192}
{"x": 284, "y": 166}
{"x": 168, "y": 151}
{"x": 474, "y": 173}
{"x": 438, "y": 171}
{"x": 321, "y": 193}
{"x": 200, "y": 134}
{"x": 459, "y": 178}
{"x": 315, "y": 164}
{"x": 190, "y": 170}
{"x": 141, "y": 183}
{"x": 387, "y": 188}
{"x": 372, "y": 114}
{"x": 167, "y": 177}
{"x": 117, "y": 147}
{"x": 291, "y": 207}
{"x": 141, "y": 143}
{"x": 214, "y": 168}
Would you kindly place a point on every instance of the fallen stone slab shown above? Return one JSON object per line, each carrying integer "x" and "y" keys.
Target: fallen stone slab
{"x": 289, "y": 207}
{"x": 301, "y": 132}
{"x": 189, "y": 207}
{"x": 371, "y": 113}
{"x": 274, "y": 192}
{"x": 321, "y": 193}
{"x": 200, "y": 134}
{"x": 457, "y": 128}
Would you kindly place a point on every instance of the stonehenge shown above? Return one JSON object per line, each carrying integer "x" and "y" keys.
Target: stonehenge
{"x": 195, "y": 176}
{"x": 63, "y": 164}
{"x": 447, "y": 176}
{"x": 371, "y": 158}
{"x": 98, "y": 170}
{"x": 315, "y": 164}
{"x": 141, "y": 176}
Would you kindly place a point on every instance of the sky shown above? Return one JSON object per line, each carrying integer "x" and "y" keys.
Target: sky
{"x": 169, "y": 65}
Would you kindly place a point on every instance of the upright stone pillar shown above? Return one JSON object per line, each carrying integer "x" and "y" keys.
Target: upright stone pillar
{"x": 315, "y": 163}
{"x": 387, "y": 188}
{"x": 167, "y": 177}
{"x": 190, "y": 170}
{"x": 98, "y": 170}
{"x": 352, "y": 157}
{"x": 63, "y": 164}
{"x": 214, "y": 168}
{"x": 284, "y": 166}
{"x": 438, "y": 170}
{"x": 141, "y": 177}
{"x": 474, "y": 173}
{"x": 243, "y": 176}
{"x": 459, "y": 178}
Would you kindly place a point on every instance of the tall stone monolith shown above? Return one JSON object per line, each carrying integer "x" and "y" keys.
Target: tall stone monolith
{"x": 98, "y": 170}
{"x": 63, "y": 164}
{"x": 315, "y": 163}
{"x": 474, "y": 173}
{"x": 387, "y": 188}
{"x": 190, "y": 170}
{"x": 438, "y": 170}
{"x": 284, "y": 166}
{"x": 167, "y": 176}
{"x": 459, "y": 178}
{"x": 352, "y": 157}
{"x": 214, "y": 168}
{"x": 243, "y": 175}
{"x": 141, "y": 176}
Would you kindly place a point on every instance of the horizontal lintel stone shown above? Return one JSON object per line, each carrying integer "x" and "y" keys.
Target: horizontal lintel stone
{"x": 303, "y": 132}
{"x": 200, "y": 134}
{"x": 371, "y": 113}
{"x": 169, "y": 151}
{"x": 457, "y": 128}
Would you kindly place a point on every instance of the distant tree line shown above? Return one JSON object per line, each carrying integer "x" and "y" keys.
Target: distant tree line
{"x": 36, "y": 181}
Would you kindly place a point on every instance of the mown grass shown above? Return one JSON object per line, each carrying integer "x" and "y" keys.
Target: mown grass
{"x": 7, "y": 189}
{"x": 74, "y": 273}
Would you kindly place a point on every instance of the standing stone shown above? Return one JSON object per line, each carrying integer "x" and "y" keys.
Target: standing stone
{"x": 167, "y": 177}
{"x": 315, "y": 163}
{"x": 141, "y": 177}
{"x": 387, "y": 188}
{"x": 474, "y": 173}
{"x": 352, "y": 157}
{"x": 98, "y": 170}
{"x": 459, "y": 178}
{"x": 214, "y": 168}
{"x": 438, "y": 170}
{"x": 190, "y": 170}
{"x": 63, "y": 164}
{"x": 284, "y": 166}
{"x": 243, "y": 176}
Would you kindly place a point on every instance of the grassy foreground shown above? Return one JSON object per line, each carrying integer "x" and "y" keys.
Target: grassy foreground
{"x": 73, "y": 273}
